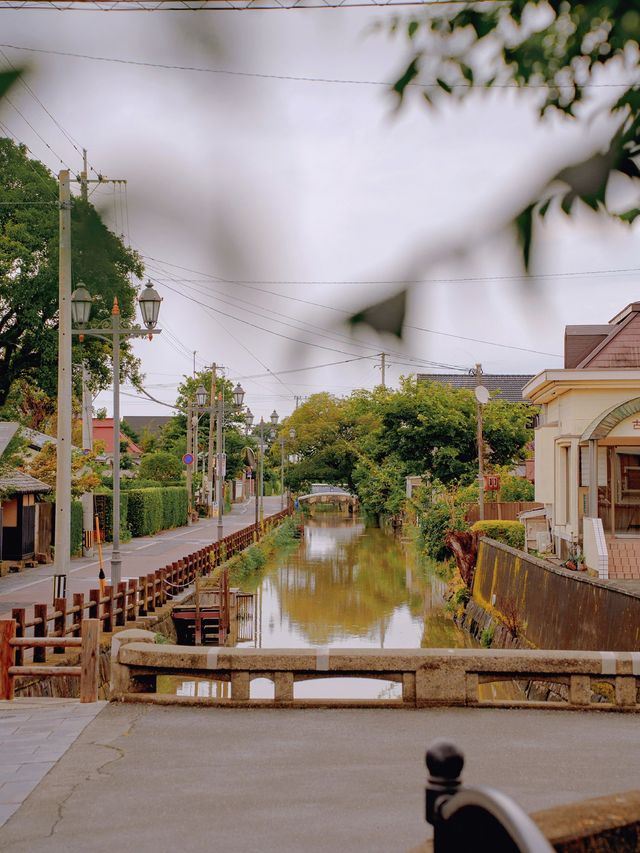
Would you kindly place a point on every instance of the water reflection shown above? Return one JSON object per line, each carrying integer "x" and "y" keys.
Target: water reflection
{"x": 348, "y": 585}
{"x": 345, "y": 585}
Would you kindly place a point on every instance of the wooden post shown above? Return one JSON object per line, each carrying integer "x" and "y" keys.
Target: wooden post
{"x": 151, "y": 593}
{"x": 89, "y": 660}
{"x": 108, "y": 610}
{"x": 40, "y": 630}
{"x": 7, "y": 657}
{"x": 143, "y": 596}
{"x": 59, "y": 622}
{"x": 78, "y": 615}
{"x": 121, "y": 603}
{"x": 132, "y": 598}
{"x": 18, "y": 613}
{"x": 94, "y": 604}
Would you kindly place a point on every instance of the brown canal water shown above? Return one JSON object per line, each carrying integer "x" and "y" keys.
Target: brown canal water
{"x": 344, "y": 585}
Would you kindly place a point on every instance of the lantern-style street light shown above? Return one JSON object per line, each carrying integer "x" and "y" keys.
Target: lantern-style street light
{"x": 274, "y": 418}
{"x": 81, "y": 302}
{"x": 238, "y": 395}
{"x": 201, "y": 396}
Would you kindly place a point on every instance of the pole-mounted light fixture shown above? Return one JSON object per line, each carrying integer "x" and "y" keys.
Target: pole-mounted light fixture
{"x": 149, "y": 302}
{"x": 238, "y": 395}
{"x": 274, "y": 418}
{"x": 81, "y": 302}
{"x": 248, "y": 418}
{"x": 292, "y": 433}
{"x": 201, "y": 395}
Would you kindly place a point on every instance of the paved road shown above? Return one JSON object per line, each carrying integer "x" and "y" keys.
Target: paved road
{"x": 139, "y": 556}
{"x": 148, "y": 778}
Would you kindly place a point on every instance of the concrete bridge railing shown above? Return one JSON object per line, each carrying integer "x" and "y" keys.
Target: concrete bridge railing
{"x": 429, "y": 677}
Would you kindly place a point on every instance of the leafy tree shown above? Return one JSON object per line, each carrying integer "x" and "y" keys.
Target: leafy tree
{"x": 29, "y": 276}
{"x": 43, "y": 467}
{"x": 560, "y": 51}
{"x": 161, "y": 465}
{"x": 129, "y": 431}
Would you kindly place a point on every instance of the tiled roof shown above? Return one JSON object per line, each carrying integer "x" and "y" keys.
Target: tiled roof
{"x": 16, "y": 482}
{"x": 152, "y": 423}
{"x": 7, "y": 430}
{"x": 506, "y": 386}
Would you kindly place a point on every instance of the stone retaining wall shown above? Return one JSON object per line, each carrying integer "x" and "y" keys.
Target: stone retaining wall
{"x": 534, "y": 604}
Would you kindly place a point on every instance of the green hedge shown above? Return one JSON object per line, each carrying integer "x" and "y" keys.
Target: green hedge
{"x": 508, "y": 532}
{"x": 151, "y": 510}
{"x": 76, "y": 528}
{"x": 124, "y": 530}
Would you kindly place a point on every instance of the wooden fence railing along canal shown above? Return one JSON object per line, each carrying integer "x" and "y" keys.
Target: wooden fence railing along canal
{"x": 113, "y": 608}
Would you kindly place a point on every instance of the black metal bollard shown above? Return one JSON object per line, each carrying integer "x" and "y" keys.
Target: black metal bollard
{"x": 478, "y": 819}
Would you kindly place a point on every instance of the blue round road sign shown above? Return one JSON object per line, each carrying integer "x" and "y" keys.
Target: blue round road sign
{"x": 188, "y": 458}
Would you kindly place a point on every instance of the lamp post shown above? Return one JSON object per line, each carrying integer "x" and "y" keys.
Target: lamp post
{"x": 149, "y": 302}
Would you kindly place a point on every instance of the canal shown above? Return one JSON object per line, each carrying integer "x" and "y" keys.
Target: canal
{"x": 343, "y": 585}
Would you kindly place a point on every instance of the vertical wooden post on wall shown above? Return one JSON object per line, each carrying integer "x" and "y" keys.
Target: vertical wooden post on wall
{"x": 132, "y": 599}
{"x": 121, "y": 603}
{"x": 40, "y": 630}
{"x": 89, "y": 662}
{"x": 19, "y": 614}
{"x": 94, "y": 604}
{"x": 7, "y": 657}
{"x": 59, "y": 622}
{"x": 108, "y": 610}
{"x": 78, "y": 615}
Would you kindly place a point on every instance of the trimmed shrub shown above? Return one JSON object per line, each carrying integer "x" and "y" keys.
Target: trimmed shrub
{"x": 107, "y": 533}
{"x": 507, "y": 532}
{"x": 76, "y": 528}
{"x": 175, "y": 504}
{"x": 151, "y": 510}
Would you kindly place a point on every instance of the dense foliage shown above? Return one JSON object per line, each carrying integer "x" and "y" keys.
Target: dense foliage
{"x": 370, "y": 441}
{"x": 160, "y": 465}
{"x": 508, "y": 532}
{"x": 29, "y": 276}
{"x": 151, "y": 510}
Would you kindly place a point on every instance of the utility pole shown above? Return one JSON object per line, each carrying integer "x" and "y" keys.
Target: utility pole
{"x": 189, "y": 467}
{"x": 219, "y": 472}
{"x": 65, "y": 414}
{"x": 480, "y": 443}
{"x": 212, "y": 398}
{"x": 194, "y": 363}
{"x": 383, "y": 366}
{"x": 84, "y": 187}
{"x": 87, "y": 448}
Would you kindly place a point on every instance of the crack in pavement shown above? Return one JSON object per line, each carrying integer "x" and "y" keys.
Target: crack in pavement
{"x": 99, "y": 769}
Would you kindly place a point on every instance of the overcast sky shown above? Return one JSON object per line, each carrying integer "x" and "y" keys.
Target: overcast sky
{"x": 303, "y": 189}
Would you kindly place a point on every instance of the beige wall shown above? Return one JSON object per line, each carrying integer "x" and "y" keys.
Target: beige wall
{"x": 563, "y": 420}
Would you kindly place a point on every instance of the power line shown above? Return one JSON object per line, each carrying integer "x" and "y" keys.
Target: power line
{"x": 320, "y": 331}
{"x": 303, "y": 79}
{"x": 37, "y": 133}
{"x": 346, "y": 312}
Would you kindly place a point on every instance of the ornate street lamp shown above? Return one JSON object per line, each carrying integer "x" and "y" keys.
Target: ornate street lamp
{"x": 274, "y": 418}
{"x": 80, "y": 312}
{"x": 81, "y": 302}
{"x": 201, "y": 396}
{"x": 248, "y": 418}
{"x": 238, "y": 395}
{"x": 149, "y": 302}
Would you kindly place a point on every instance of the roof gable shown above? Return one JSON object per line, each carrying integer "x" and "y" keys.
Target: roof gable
{"x": 621, "y": 347}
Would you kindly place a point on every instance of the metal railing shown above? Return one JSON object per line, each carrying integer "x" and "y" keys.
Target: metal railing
{"x": 474, "y": 818}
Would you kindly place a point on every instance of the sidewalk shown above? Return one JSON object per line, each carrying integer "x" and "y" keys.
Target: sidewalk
{"x": 34, "y": 734}
{"x": 139, "y": 556}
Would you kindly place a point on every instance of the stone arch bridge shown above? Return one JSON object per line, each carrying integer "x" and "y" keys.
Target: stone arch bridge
{"x": 325, "y": 494}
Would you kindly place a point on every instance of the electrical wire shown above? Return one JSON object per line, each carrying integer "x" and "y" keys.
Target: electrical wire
{"x": 217, "y": 279}
{"x": 302, "y": 79}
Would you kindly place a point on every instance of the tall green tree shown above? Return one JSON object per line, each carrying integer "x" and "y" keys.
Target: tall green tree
{"x": 29, "y": 276}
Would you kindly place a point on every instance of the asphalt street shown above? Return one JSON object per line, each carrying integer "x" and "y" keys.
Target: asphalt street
{"x": 139, "y": 557}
